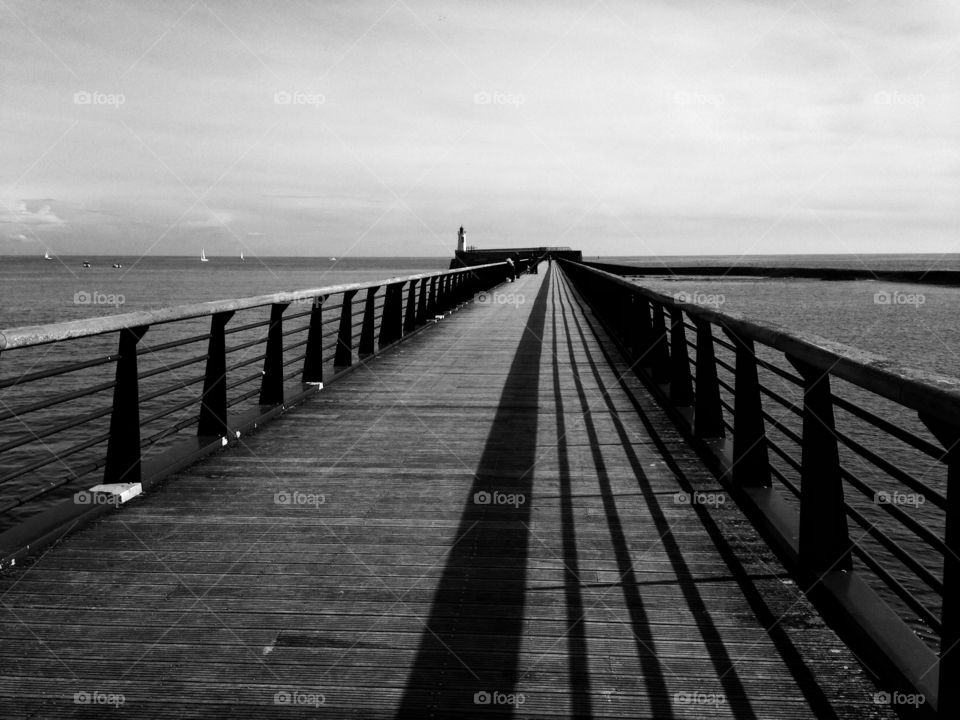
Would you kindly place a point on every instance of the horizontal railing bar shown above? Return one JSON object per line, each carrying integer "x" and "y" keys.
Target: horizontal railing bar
{"x": 171, "y": 366}
{"x": 248, "y": 326}
{"x": 54, "y": 457}
{"x": 244, "y": 346}
{"x": 787, "y": 458}
{"x": 182, "y": 385}
{"x": 32, "y": 436}
{"x": 934, "y": 394}
{"x": 244, "y": 363}
{"x": 41, "y": 334}
{"x": 147, "y": 349}
{"x": 892, "y": 470}
{"x": 785, "y": 482}
{"x": 918, "y": 529}
{"x": 895, "y": 549}
{"x": 44, "y": 374}
{"x": 897, "y": 587}
{"x": 55, "y": 400}
{"x": 888, "y": 427}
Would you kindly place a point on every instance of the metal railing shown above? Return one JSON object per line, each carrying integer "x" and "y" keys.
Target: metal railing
{"x": 62, "y": 422}
{"x": 817, "y": 437}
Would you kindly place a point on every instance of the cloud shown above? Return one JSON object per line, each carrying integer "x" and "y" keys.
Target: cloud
{"x": 29, "y": 212}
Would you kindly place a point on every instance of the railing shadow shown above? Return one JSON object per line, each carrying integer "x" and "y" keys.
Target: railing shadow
{"x": 461, "y": 656}
{"x": 724, "y": 665}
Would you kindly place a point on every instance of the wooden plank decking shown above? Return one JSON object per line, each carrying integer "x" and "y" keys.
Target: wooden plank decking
{"x": 233, "y": 591}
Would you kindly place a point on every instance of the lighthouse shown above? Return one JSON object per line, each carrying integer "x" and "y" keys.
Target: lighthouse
{"x": 460, "y": 239}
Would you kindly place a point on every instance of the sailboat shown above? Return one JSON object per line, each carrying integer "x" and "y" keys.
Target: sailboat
{"x": 242, "y": 259}
{"x": 203, "y": 256}
{"x": 46, "y": 255}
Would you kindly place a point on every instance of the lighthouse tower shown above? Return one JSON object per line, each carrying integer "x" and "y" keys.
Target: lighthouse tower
{"x": 460, "y": 239}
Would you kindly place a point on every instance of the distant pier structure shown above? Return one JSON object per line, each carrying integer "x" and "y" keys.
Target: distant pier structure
{"x": 470, "y": 256}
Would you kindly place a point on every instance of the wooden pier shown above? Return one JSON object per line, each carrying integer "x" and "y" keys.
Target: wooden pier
{"x": 491, "y": 518}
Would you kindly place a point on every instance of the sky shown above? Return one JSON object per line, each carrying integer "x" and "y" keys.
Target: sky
{"x": 378, "y": 128}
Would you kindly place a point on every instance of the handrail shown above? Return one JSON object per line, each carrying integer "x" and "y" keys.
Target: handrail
{"x": 31, "y": 335}
{"x": 710, "y": 395}
{"x": 153, "y": 401}
{"x": 920, "y": 390}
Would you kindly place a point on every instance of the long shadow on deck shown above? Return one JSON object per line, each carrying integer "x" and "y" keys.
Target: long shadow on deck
{"x": 724, "y": 665}
{"x": 461, "y": 656}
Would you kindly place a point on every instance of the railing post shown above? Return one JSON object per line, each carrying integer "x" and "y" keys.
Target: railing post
{"x": 660, "y": 352}
{"x": 391, "y": 318}
{"x": 313, "y": 357}
{"x": 708, "y": 414}
{"x": 681, "y": 390}
{"x": 410, "y": 321}
{"x": 644, "y": 333}
{"x": 422, "y": 303}
{"x": 751, "y": 463}
{"x": 432, "y": 300}
{"x": 369, "y": 322}
{"x": 948, "y": 698}
{"x": 271, "y": 386}
{"x": 213, "y": 404}
{"x": 344, "y": 353}
{"x": 824, "y": 538}
{"x": 441, "y": 307}
{"x": 123, "y": 446}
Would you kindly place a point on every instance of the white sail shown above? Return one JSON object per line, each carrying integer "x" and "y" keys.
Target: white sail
{"x": 203, "y": 255}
